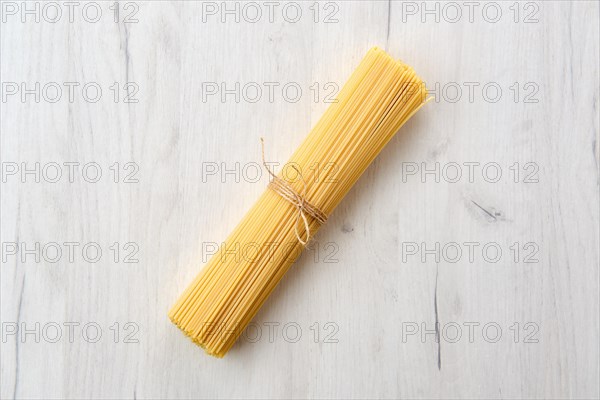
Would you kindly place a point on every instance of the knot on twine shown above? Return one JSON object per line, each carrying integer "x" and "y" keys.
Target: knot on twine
{"x": 298, "y": 200}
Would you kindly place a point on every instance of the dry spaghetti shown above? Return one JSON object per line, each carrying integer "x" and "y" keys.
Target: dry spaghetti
{"x": 380, "y": 96}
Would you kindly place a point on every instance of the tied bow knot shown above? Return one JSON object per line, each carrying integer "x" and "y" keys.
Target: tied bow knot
{"x": 304, "y": 207}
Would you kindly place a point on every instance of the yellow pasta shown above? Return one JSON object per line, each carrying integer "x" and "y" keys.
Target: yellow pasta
{"x": 380, "y": 96}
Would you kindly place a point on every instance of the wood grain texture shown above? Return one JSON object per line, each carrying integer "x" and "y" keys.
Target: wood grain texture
{"x": 360, "y": 291}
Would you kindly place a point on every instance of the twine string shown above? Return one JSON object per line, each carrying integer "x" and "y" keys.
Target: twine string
{"x": 298, "y": 200}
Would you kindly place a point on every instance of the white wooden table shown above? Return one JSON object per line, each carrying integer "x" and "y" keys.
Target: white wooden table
{"x": 130, "y": 149}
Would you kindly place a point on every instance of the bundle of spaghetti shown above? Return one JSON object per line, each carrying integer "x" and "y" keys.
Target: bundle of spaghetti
{"x": 379, "y": 97}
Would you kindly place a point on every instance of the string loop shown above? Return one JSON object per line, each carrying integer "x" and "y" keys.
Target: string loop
{"x": 286, "y": 191}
